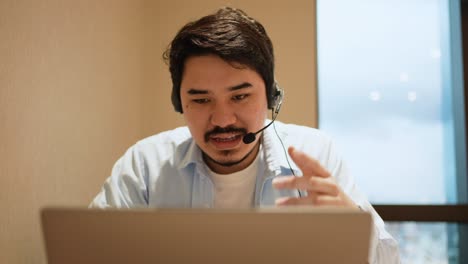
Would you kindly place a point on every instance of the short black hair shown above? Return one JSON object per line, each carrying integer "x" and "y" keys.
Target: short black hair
{"x": 230, "y": 34}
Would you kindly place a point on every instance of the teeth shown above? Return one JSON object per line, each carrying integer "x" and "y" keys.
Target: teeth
{"x": 225, "y": 139}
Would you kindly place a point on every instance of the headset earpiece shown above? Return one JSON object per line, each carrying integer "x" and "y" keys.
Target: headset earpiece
{"x": 277, "y": 98}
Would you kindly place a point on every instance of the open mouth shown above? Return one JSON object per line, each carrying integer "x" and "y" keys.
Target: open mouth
{"x": 226, "y": 140}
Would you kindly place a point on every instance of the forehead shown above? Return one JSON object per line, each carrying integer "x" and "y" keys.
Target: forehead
{"x": 210, "y": 71}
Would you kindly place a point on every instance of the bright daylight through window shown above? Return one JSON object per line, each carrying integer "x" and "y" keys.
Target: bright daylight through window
{"x": 388, "y": 76}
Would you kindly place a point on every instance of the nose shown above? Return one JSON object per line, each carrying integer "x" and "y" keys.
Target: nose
{"x": 223, "y": 115}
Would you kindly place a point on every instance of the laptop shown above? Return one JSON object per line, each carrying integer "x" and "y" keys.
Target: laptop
{"x": 271, "y": 235}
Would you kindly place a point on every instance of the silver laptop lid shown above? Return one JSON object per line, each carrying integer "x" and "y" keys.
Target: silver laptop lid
{"x": 276, "y": 235}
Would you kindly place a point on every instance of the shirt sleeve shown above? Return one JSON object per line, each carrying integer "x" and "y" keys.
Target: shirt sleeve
{"x": 383, "y": 247}
{"x": 126, "y": 187}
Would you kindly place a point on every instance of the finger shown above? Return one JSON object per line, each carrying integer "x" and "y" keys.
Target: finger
{"x": 291, "y": 182}
{"x": 327, "y": 200}
{"x": 294, "y": 201}
{"x": 318, "y": 201}
{"x": 324, "y": 186}
{"x": 308, "y": 165}
{"x": 312, "y": 184}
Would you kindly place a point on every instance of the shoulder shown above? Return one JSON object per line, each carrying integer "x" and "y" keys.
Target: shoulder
{"x": 312, "y": 141}
{"x": 165, "y": 144}
{"x": 293, "y": 133}
{"x": 317, "y": 145}
{"x": 169, "y": 137}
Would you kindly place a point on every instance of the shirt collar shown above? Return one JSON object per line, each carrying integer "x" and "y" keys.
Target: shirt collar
{"x": 273, "y": 151}
{"x": 193, "y": 155}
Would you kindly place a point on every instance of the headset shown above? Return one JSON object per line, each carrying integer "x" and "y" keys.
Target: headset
{"x": 275, "y": 103}
{"x": 275, "y": 96}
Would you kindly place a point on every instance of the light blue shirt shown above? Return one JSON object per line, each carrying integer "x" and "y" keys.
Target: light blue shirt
{"x": 167, "y": 171}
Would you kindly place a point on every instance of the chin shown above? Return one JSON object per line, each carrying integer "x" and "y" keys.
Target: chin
{"x": 229, "y": 158}
{"x": 226, "y": 162}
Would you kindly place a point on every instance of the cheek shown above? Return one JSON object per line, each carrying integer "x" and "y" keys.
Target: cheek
{"x": 256, "y": 111}
{"x": 195, "y": 122}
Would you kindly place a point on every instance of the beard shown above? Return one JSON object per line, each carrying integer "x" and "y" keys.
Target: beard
{"x": 230, "y": 163}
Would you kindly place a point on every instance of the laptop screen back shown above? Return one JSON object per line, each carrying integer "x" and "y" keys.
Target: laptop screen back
{"x": 299, "y": 235}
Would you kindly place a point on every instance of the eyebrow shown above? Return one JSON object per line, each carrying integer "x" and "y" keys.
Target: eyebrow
{"x": 193, "y": 91}
{"x": 240, "y": 86}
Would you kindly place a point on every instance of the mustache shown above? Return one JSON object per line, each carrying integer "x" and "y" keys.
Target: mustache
{"x": 221, "y": 130}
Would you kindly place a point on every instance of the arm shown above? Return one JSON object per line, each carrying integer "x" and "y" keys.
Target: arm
{"x": 336, "y": 189}
{"x": 126, "y": 187}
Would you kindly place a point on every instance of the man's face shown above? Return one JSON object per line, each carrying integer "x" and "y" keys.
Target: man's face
{"x": 222, "y": 103}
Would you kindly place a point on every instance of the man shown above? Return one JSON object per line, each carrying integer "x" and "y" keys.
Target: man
{"x": 222, "y": 69}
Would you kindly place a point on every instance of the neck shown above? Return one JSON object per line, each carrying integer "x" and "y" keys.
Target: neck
{"x": 235, "y": 166}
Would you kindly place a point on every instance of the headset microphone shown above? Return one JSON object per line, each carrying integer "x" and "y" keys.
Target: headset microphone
{"x": 250, "y": 137}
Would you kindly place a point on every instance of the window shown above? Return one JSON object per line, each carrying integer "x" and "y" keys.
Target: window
{"x": 390, "y": 89}
{"x": 386, "y": 97}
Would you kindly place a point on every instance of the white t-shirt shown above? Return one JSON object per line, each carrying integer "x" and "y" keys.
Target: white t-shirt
{"x": 235, "y": 190}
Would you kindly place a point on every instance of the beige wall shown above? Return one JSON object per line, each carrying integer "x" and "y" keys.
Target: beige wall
{"x": 70, "y": 96}
{"x": 80, "y": 81}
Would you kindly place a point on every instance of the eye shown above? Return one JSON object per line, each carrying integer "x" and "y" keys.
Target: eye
{"x": 201, "y": 101}
{"x": 240, "y": 97}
